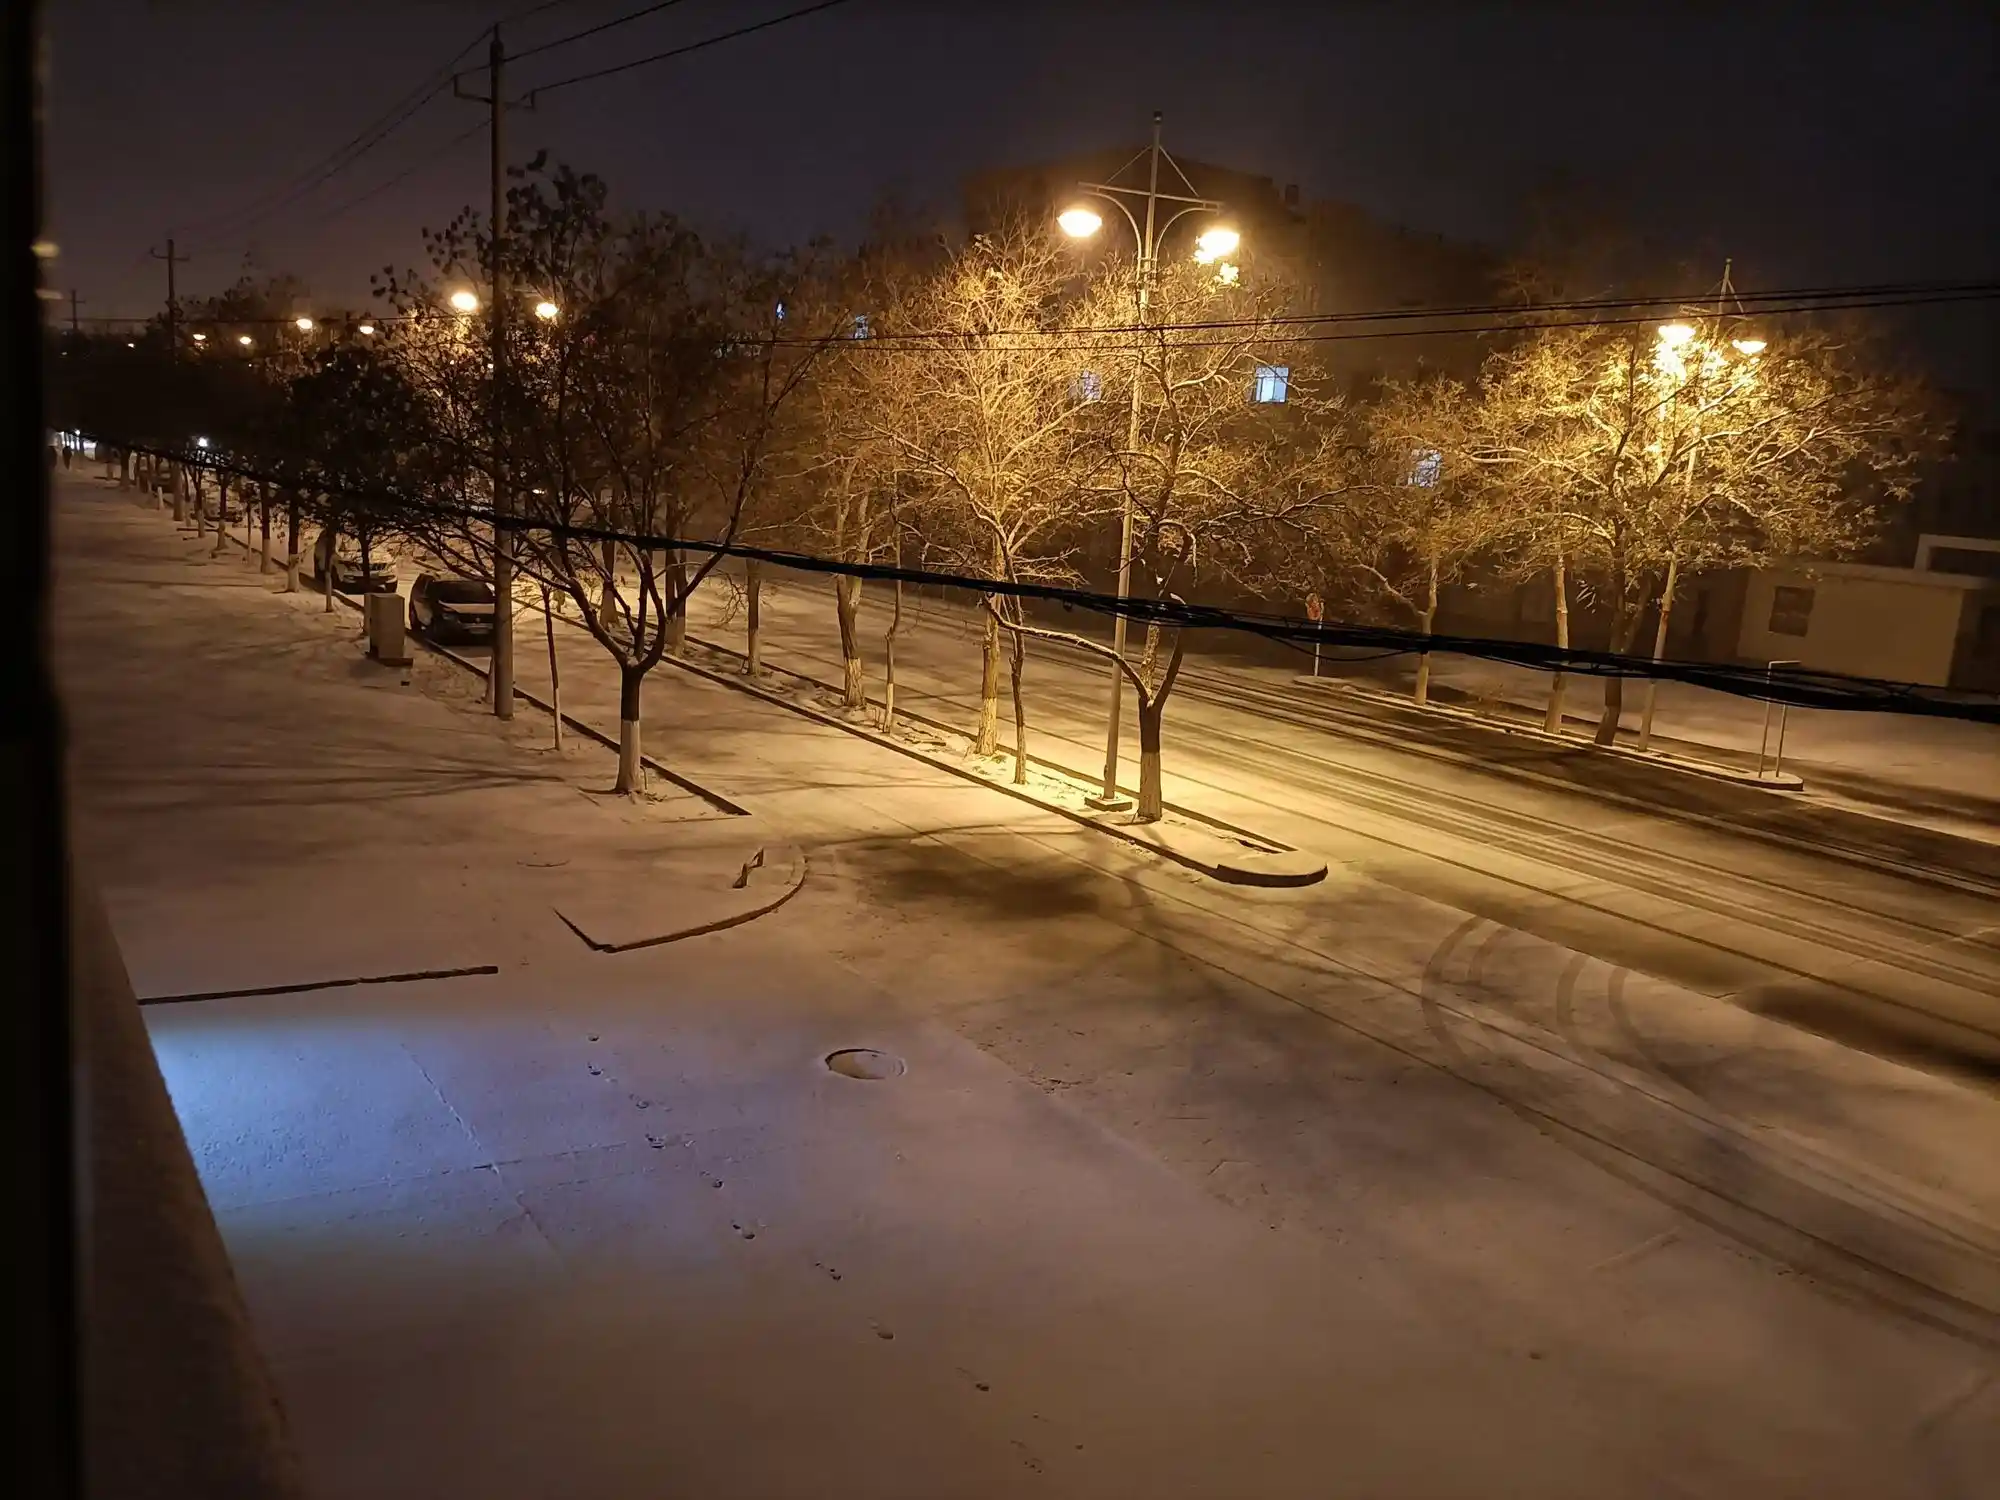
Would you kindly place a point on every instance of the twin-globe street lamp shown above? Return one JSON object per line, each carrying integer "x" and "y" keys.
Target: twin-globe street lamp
{"x": 1079, "y": 221}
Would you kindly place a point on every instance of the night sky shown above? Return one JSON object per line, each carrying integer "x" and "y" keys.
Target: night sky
{"x": 1815, "y": 144}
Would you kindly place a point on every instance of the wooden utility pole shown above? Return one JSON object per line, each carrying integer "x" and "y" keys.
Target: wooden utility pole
{"x": 75, "y": 323}
{"x": 173, "y": 302}
{"x": 500, "y": 677}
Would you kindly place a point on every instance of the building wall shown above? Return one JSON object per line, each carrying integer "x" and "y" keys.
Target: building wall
{"x": 1863, "y": 621}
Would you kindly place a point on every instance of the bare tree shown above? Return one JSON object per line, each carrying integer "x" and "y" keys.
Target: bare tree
{"x": 978, "y": 405}
{"x": 1640, "y": 454}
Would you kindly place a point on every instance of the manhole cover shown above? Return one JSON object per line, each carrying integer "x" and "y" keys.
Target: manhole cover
{"x": 864, "y": 1062}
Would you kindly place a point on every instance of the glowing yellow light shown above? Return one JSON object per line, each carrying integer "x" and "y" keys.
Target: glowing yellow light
{"x": 1749, "y": 346}
{"x": 465, "y": 302}
{"x": 243, "y": 339}
{"x": 1079, "y": 223}
{"x": 367, "y": 328}
{"x": 1673, "y": 335}
{"x": 1216, "y": 243}
{"x": 304, "y": 325}
{"x": 201, "y": 338}
{"x": 546, "y": 311}
{"x": 1227, "y": 274}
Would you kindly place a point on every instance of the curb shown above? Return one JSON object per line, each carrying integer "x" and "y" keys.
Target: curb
{"x": 1786, "y": 782}
{"x": 1263, "y": 867}
{"x": 714, "y": 799}
{"x": 794, "y": 880}
{"x": 1194, "y": 815}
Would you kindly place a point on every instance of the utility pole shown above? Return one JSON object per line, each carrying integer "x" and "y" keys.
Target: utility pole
{"x": 75, "y": 323}
{"x": 173, "y": 302}
{"x": 500, "y": 675}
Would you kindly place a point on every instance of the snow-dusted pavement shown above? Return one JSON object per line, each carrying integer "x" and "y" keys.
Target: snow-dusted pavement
{"x": 1182, "y": 1191}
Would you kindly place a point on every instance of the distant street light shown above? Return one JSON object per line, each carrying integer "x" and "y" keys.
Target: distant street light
{"x": 465, "y": 302}
{"x": 243, "y": 339}
{"x": 1079, "y": 223}
{"x": 201, "y": 442}
{"x": 1673, "y": 335}
{"x": 304, "y": 325}
{"x": 1748, "y": 346}
{"x": 200, "y": 338}
{"x": 368, "y": 328}
{"x": 546, "y": 311}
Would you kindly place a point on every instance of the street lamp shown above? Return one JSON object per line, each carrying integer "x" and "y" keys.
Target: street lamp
{"x": 1673, "y": 338}
{"x": 1081, "y": 222}
{"x": 546, "y": 311}
{"x": 366, "y": 328}
{"x": 243, "y": 339}
{"x": 465, "y": 302}
{"x": 199, "y": 338}
{"x": 1216, "y": 243}
{"x": 304, "y": 325}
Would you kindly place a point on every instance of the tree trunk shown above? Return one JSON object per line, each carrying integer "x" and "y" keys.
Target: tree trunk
{"x": 753, "y": 615}
{"x": 1152, "y": 709}
{"x": 249, "y": 520}
{"x": 847, "y": 610}
{"x": 200, "y": 508}
{"x": 607, "y": 607}
{"x": 124, "y": 468}
{"x": 180, "y": 495}
{"x": 989, "y": 689}
{"x": 1017, "y": 657}
{"x": 221, "y": 515}
{"x": 677, "y": 605}
{"x": 555, "y": 669}
{"x": 1423, "y": 690}
{"x": 1659, "y": 649}
{"x": 1552, "y": 722}
{"x": 291, "y": 541}
{"x": 1624, "y": 626}
{"x": 889, "y": 652}
{"x": 264, "y": 526}
{"x": 631, "y": 773}
{"x": 326, "y": 574}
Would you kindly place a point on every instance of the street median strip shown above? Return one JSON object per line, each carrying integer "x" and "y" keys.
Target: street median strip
{"x": 1219, "y": 850}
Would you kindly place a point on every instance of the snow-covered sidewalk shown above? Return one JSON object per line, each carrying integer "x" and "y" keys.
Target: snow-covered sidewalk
{"x": 1179, "y": 1192}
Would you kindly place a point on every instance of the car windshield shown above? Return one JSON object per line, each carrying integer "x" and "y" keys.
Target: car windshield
{"x": 461, "y": 591}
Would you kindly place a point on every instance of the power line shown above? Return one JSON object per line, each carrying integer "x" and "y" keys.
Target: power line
{"x": 1798, "y": 686}
{"x": 356, "y": 147}
{"x": 1091, "y": 338}
{"x": 444, "y": 149}
{"x": 589, "y": 31}
{"x": 683, "y": 51}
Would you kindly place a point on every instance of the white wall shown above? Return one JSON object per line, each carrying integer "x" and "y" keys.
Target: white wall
{"x": 1866, "y": 622}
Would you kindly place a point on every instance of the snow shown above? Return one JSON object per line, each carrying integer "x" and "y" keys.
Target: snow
{"x": 1184, "y": 1192}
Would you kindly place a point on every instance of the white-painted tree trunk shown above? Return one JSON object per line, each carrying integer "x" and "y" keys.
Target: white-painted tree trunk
{"x": 988, "y": 739}
{"x": 1552, "y": 722}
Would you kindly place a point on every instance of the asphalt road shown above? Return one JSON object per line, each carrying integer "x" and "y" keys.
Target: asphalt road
{"x": 1880, "y": 934}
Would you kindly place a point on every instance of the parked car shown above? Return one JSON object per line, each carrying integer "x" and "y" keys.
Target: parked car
{"x": 451, "y": 609}
{"x": 339, "y": 557}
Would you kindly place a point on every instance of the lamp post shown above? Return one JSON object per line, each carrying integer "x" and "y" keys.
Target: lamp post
{"x": 1081, "y": 222}
{"x": 1680, "y": 343}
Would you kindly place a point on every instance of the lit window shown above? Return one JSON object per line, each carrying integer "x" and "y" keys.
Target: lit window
{"x": 1088, "y": 386}
{"x": 1271, "y": 384}
{"x": 1427, "y": 468}
{"x": 1791, "y": 610}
